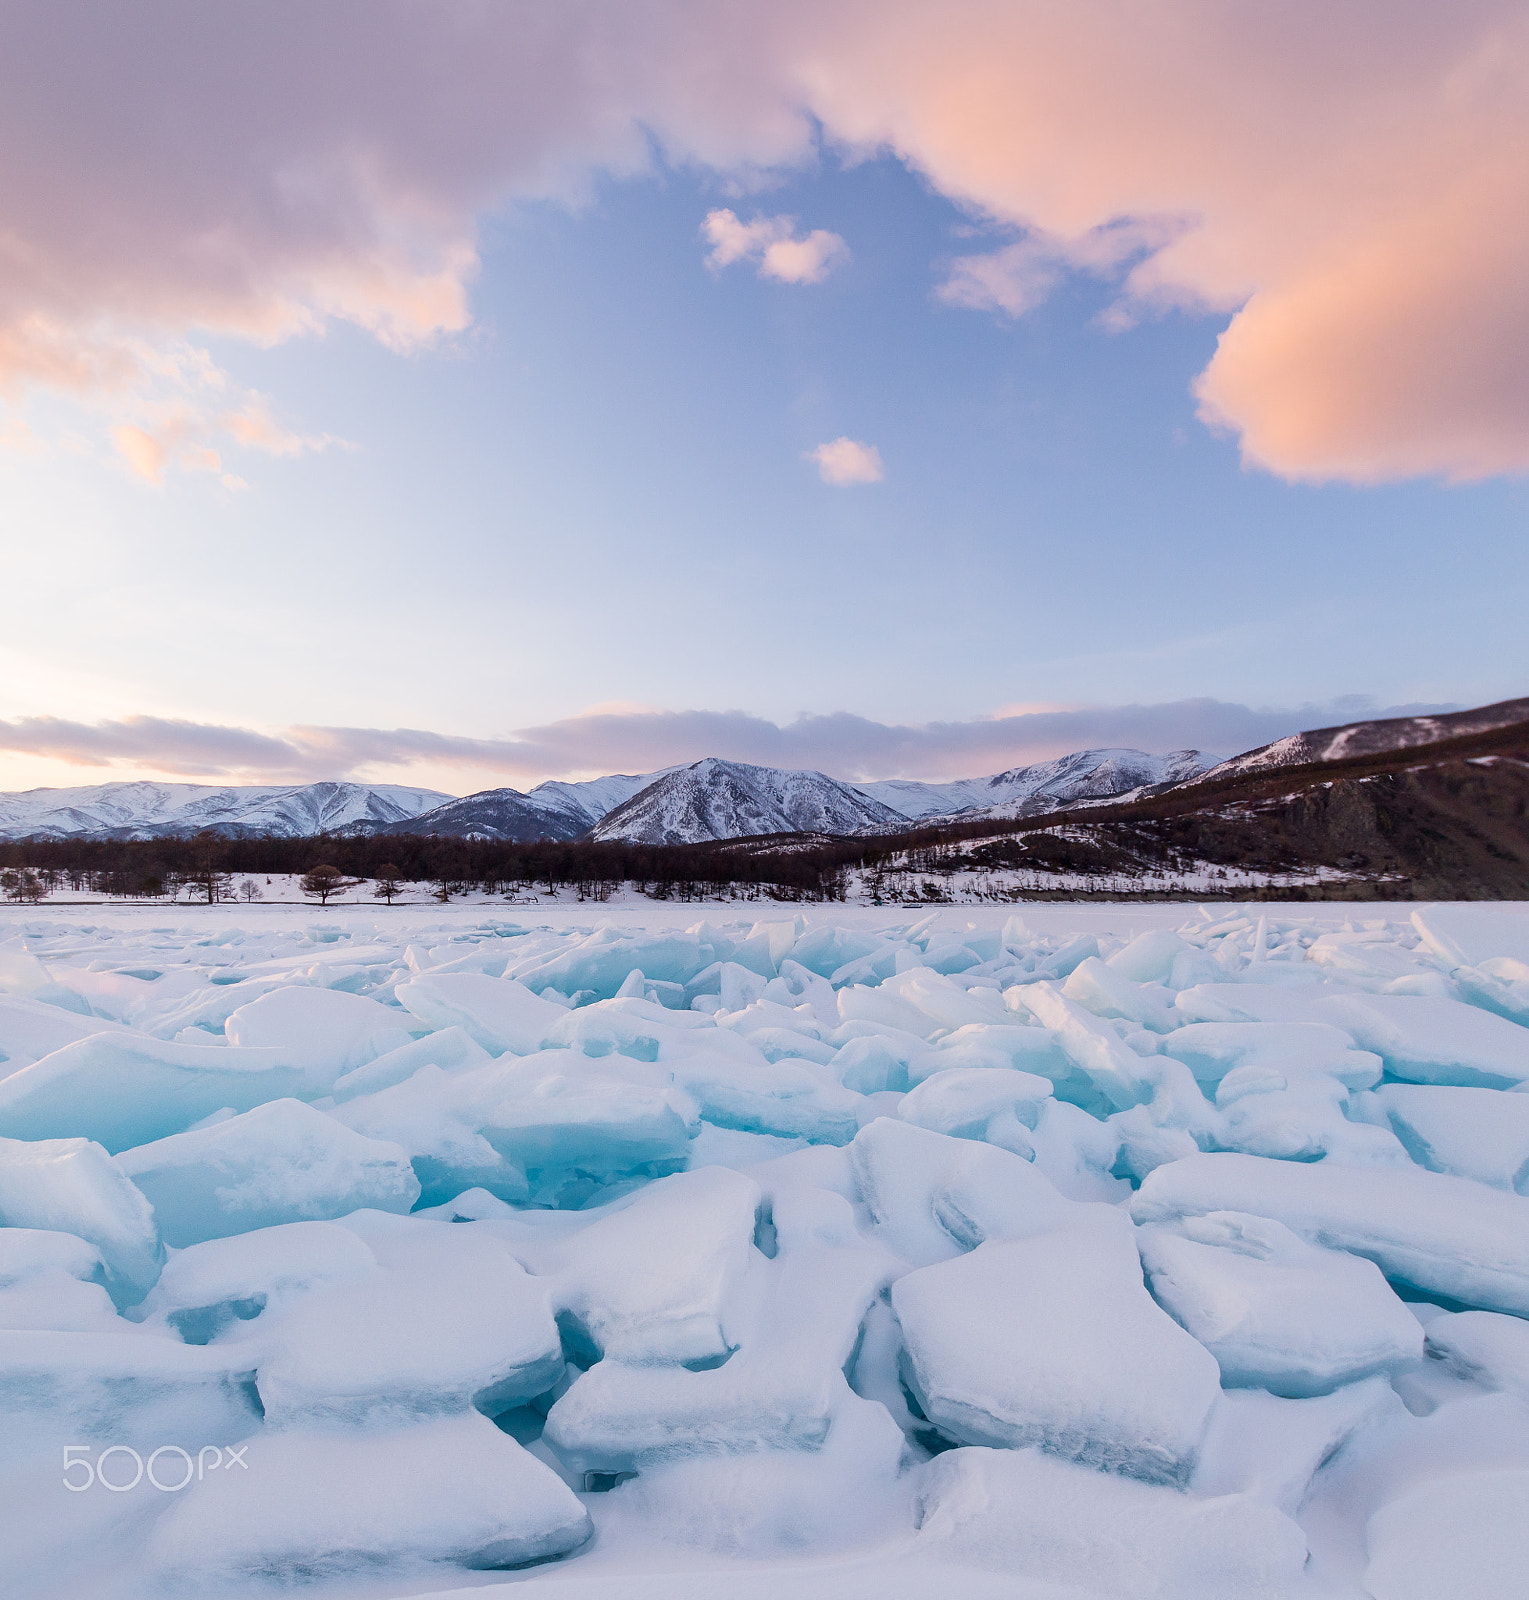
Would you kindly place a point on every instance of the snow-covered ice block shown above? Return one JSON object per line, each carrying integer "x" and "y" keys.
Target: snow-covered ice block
{"x": 1428, "y": 1040}
{"x": 282, "y": 1162}
{"x": 1459, "y": 1534}
{"x": 1051, "y": 1522}
{"x": 124, "y": 1089}
{"x": 851, "y": 1494}
{"x": 997, "y": 1104}
{"x": 1077, "y": 1153}
{"x": 120, "y": 1387}
{"x": 656, "y": 1280}
{"x": 1053, "y": 1340}
{"x": 315, "y": 1504}
{"x": 325, "y": 1031}
{"x": 1276, "y": 1312}
{"x": 52, "y": 1280}
{"x": 29, "y": 1252}
{"x": 452, "y": 1320}
{"x": 932, "y": 1196}
{"x": 1473, "y": 1133}
{"x": 73, "y": 1186}
{"x": 1272, "y": 1448}
{"x": 1440, "y": 1235}
{"x": 449, "y": 1048}
{"x": 1294, "y": 1049}
{"x": 783, "y": 1389}
{"x": 205, "y": 1288}
{"x": 1298, "y": 1116}
{"x": 498, "y": 1013}
{"x": 1485, "y": 1347}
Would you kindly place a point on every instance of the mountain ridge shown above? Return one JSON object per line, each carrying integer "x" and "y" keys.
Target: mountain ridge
{"x": 710, "y": 799}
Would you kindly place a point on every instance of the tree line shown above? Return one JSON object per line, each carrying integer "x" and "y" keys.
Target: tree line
{"x": 784, "y": 866}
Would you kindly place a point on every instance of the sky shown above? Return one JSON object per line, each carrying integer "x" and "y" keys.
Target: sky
{"x": 458, "y": 395}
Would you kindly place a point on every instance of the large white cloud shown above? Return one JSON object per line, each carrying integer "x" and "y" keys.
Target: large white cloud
{"x": 1350, "y": 181}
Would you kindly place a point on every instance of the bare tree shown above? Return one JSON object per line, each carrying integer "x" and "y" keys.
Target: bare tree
{"x": 250, "y": 890}
{"x": 24, "y": 885}
{"x": 323, "y": 881}
{"x": 388, "y": 882}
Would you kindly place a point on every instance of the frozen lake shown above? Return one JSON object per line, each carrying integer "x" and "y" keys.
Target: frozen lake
{"x": 741, "y": 1249}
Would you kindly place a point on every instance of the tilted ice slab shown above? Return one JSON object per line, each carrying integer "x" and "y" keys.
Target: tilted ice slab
{"x": 498, "y": 1014}
{"x": 552, "y": 1114}
{"x": 73, "y": 1186}
{"x": 1442, "y": 1235}
{"x": 1428, "y": 1040}
{"x": 1473, "y": 1133}
{"x": 1422, "y": 1038}
{"x": 436, "y": 1120}
{"x": 31, "y": 1029}
{"x": 124, "y": 1089}
{"x": 282, "y": 1162}
{"x": 658, "y": 1278}
{"x": 557, "y": 1116}
{"x": 1276, "y": 1312}
{"x": 1030, "y": 1516}
{"x": 447, "y": 1048}
{"x": 1054, "y": 1341}
{"x": 314, "y": 1504}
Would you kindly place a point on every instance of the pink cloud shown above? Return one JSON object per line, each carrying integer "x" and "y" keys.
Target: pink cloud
{"x": 772, "y": 242}
{"x": 1348, "y": 182}
{"x": 621, "y": 739}
{"x": 844, "y": 462}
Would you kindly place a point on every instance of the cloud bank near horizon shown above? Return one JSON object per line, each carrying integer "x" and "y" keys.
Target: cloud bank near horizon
{"x": 1347, "y": 183}
{"x": 846, "y": 746}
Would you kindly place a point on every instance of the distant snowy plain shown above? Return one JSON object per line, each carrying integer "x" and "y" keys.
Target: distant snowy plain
{"x": 1096, "y": 1251}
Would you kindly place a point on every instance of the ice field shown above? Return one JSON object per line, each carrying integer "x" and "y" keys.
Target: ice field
{"x": 1095, "y": 1250}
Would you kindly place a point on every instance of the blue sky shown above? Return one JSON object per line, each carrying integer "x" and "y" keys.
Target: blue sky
{"x": 599, "y": 494}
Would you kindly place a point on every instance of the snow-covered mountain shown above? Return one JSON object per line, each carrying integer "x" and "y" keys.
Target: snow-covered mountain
{"x": 1373, "y": 738}
{"x": 552, "y": 810}
{"x": 1084, "y": 775}
{"x": 714, "y": 799}
{"x": 142, "y": 810}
